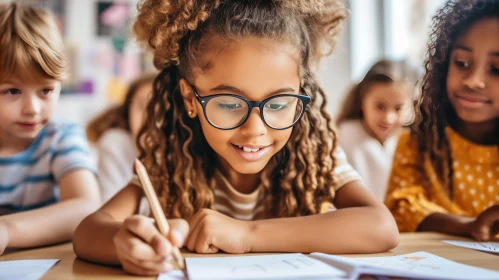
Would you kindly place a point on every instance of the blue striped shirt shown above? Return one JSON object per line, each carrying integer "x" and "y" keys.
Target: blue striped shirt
{"x": 28, "y": 180}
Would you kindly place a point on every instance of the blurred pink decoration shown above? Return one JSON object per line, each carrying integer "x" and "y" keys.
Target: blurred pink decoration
{"x": 116, "y": 15}
{"x": 104, "y": 58}
{"x": 129, "y": 67}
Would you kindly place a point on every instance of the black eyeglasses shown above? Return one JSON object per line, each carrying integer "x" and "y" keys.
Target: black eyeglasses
{"x": 230, "y": 111}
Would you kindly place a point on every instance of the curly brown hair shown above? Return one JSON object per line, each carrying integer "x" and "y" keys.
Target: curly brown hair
{"x": 180, "y": 161}
{"x": 384, "y": 71}
{"x": 117, "y": 116}
{"x": 435, "y": 112}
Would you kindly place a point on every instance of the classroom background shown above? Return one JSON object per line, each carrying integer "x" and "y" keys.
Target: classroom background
{"x": 104, "y": 56}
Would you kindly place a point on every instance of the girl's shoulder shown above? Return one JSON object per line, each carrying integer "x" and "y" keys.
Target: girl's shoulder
{"x": 352, "y": 136}
{"x": 351, "y": 132}
{"x": 350, "y": 127}
{"x": 116, "y": 144}
{"x": 116, "y": 141}
{"x": 116, "y": 136}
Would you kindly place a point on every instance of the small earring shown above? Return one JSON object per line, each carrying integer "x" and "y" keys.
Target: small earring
{"x": 190, "y": 113}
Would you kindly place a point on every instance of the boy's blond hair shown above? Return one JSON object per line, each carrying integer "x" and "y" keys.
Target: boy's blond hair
{"x": 30, "y": 43}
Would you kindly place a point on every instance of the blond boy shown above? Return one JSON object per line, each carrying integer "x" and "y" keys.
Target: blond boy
{"x": 47, "y": 181}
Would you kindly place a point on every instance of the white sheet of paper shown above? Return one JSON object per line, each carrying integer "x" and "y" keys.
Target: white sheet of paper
{"x": 419, "y": 265}
{"x": 172, "y": 275}
{"x": 282, "y": 266}
{"x": 491, "y": 247}
{"x": 25, "y": 269}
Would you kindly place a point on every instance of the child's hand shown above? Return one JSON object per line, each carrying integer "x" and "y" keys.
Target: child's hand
{"x": 486, "y": 225}
{"x": 143, "y": 250}
{"x": 4, "y": 238}
{"x": 212, "y": 231}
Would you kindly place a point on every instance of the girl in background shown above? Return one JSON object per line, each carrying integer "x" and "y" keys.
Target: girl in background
{"x": 445, "y": 174}
{"x": 371, "y": 118}
{"x": 114, "y": 134}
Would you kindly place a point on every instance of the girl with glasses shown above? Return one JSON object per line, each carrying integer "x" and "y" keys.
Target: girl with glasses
{"x": 238, "y": 143}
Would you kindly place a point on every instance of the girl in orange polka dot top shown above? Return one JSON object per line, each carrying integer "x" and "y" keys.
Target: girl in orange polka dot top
{"x": 445, "y": 175}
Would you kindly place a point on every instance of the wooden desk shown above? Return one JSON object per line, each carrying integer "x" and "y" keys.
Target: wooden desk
{"x": 72, "y": 268}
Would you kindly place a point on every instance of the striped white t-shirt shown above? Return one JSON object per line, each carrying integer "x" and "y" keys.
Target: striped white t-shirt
{"x": 248, "y": 207}
{"x": 28, "y": 180}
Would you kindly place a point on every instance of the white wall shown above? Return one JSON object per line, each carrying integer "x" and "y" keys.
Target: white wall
{"x": 366, "y": 35}
{"x": 407, "y": 25}
{"x": 334, "y": 72}
{"x": 396, "y": 22}
{"x": 360, "y": 45}
{"x": 80, "y": 21}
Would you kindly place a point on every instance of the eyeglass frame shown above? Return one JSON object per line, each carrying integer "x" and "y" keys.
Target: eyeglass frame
{"x": 203, "y": 100}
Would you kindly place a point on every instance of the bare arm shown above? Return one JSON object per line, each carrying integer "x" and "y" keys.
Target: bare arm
{"x": 361, "y": 225}
{"x": 99, "y": 229}
{"x": 55, "y": 223}
{"x": 447, "y": 223}
{"x": 483, "y": 228}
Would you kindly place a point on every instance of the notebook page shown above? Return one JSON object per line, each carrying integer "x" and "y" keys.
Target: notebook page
{"x": 25, "y": 269}
{"x": 282, "y": 266}
{"x": 421, "y": 265}
{"x": 490, "y": 247}
{"x": 172, "y": 275}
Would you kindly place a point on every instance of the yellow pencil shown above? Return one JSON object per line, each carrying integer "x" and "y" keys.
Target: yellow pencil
{"x": 163, "y": 226}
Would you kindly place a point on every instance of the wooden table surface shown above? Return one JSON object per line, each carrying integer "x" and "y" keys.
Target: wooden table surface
{"x": 71, "y": 267}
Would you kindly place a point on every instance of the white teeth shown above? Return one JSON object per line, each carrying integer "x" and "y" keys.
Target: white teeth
{"x": 249, "y": 150}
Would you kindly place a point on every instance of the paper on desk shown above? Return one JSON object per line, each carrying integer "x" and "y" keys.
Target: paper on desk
{"x": 25, "y": 269}
{"x": 283, "y": 266}
{"x": 172, "y": 275}
{"x": 418, "y": 265}
{"x": 491, "y": 247}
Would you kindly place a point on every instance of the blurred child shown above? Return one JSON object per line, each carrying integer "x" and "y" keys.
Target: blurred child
{"x": 47, "y": 180}
{"x": 445, "y": 174}
{"x": 238, "y": 143}
{"x": 371, "y": 118}
{"x": 114, "y": 133}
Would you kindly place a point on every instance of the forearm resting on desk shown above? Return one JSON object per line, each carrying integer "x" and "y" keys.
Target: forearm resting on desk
{"x": 349, "y": 230}
{"x": 48, "y": 225}
{"x": 447, "y": 223}
{"x": 97, "y": 232}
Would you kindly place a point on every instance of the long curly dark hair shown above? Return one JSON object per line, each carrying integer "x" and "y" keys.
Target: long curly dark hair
{"x": 174, "y": 150}
{"x": 435, "y": 112}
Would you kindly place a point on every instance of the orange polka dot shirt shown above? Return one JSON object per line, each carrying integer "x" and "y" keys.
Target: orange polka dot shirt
{"x": 475, "y": 179}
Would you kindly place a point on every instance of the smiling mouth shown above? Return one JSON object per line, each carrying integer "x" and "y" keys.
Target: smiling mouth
{"x": 251, "y": 153}
{"x": 473, "y": 99}
{"x": 250, "y": 149}
{"x": 25, "y": 124}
